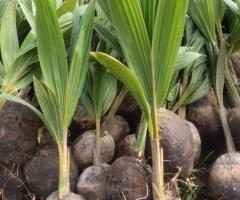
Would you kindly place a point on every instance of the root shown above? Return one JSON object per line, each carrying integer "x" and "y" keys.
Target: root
{"x": 15, "y": 177}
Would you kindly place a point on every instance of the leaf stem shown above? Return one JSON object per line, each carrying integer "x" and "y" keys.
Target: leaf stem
{"x": 64, "y": 168}
{"x": 229, "y": 140}
{"x": 157, "y": 158}
{"x": 142, "y": 134}
{"x": 97, "y": 151}
{"x": 116, "y": 104}
{"x": 232, "y": 91}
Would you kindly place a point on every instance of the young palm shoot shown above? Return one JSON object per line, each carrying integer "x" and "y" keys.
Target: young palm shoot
{"x": 186, "y": 58}
{"x": 97, "y": 97}
{"x": 194, "y": 78}
{"x": 62, "y": 84}
{"x": 151, "y": 62}
{"x": 16, "y": 67}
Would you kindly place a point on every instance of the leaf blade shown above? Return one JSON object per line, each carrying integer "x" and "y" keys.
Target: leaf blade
{"x": 8, "y": 35}
{"x": 78, "y": 68}
{"x": 51, "y": 49}
{"x": 167, "y": 37}
{"x": 129, "y": 79}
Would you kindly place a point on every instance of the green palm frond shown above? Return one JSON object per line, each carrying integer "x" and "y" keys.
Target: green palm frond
{"x": 99, "y": 91}
{"x": 203, "y": 13}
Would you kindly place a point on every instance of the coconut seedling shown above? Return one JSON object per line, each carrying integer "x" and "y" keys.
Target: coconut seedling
{"x": 151, "y": 55}
{"x": 97, "y": 97}
{"x": 191, "y": 82}
{"x": 17, "y": 66}
{"x": 209, "y": 19}
{"x": 63, "y": 80}
{"x": 17, "y": 63}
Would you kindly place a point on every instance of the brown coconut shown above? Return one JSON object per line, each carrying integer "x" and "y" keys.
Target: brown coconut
{"x": 224, "y": 179}
{"x": 83, "y": 119}
{"x": 84, "y": 145}
{"x": 129, "y": 105}
{"x": 127, "y": 146}
{"x": 128, "y": 179}
{"x": 204, "y": 115}
{"x": 179, "y": 146}
{"x": 92, "y": 182}
{"x": 11, "y": 183}
{"x": 18, "y": 133}
{"x": 117, "y": 127}
{"x": 234, "y": 124}
{"x": 41, "y": 171}
{"x": 197, "y": 141}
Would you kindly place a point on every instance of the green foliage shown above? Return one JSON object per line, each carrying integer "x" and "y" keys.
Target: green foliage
{"x": 58, "y": 95}
{"x": 128, "y": 78}
{"x": 99, "y": 91}
{"x": 17, "y": 67}
{"x": 192, "y": 82}
{"x": 203, "y": 13}
{"x": 151, "y": 66}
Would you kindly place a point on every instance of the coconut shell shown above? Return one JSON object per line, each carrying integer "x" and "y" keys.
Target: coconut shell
{"x": 41, "y": 171}
{"x": 92, "y": 182}
{"x": 11, "y": 183}
{"x": 197, "y": 141}
{"x": 224, "y": 179}
{"x": 117, "y": 127}
{"x": 234, "y": 124}
{"x": 84, "y": 145}
{"x": 18, "y": 133}
{"x": 70, "y": 196}
{"x": 83, "y": 119}
{"x": 178, "y": 144}
{"x": 204, "y": 115}
{"x": 127, "y": 146}
{"x": 128, "y": 179}
{"x": 129, "y": 105}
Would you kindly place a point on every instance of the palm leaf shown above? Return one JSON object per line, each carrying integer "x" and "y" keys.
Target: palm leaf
{"x": 167, "y": 37}
{"x": 233, "y": 6}
{"x": 50, "y": 107}
{"x": 220, "y": 7}
{"x": 106, "y": 34}
{"x": 131, "y": 31}
{"x": 220, "y": 72}
{"x": 128, "y": 78}
{"x": 203, "y": 13}
{"x": 18, "y": 70}
{"x": 3, "y": 5}
{"x": 78, "y": 67}
{"x": 8, "y": 35}
{"x": 51, "y": 49}
{"x": 27, "y": 77}
{"x": 186, "y": 58}
{"x": 149, "y": 10}
{"x": 100, "y": 91}
{"x": 67, "y": 6}
{"x": 103, "y": 4}
{"x": 2, "y": 72}
{"x": 28, "y": 14}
